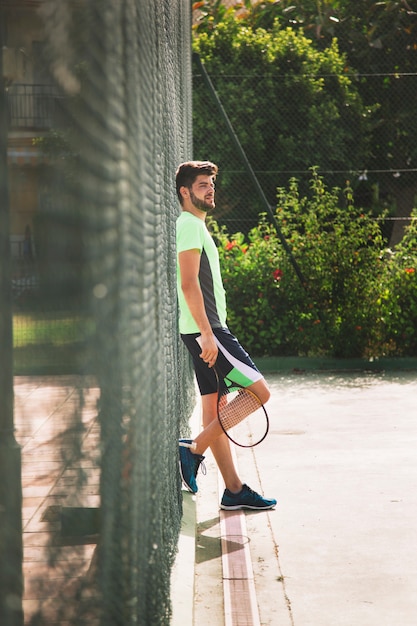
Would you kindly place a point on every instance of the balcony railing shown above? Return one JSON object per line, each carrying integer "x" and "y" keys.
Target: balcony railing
{"x": 33, "y": 106}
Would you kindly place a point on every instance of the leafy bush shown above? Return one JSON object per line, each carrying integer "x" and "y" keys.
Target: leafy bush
{"x": 255, "y": 274}
{"x": 357, "y": 301}
{"x": 397, "y": 302}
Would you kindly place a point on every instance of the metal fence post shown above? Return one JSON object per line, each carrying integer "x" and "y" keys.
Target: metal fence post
{"x": 11, "y": 550}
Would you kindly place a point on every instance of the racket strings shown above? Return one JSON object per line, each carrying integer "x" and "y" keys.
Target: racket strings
{"x": 232, "y": 412}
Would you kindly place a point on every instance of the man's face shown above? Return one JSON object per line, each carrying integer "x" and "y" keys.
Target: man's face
{"x": 202, "y": 193}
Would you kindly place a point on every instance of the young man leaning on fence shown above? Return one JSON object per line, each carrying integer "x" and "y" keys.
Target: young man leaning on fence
{"x": 202, "y": 305}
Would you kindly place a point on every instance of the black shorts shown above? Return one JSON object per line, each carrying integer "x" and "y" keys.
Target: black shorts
{"x": 233, "y": 361}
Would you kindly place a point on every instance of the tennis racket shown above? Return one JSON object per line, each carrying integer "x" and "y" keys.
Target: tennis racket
{"x": 241, "y": 414}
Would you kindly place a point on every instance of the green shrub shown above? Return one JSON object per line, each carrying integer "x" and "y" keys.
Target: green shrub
{"x": 338, "y": 249}
{"x": 397, "y": 302}
{"x": 255, "y": 275}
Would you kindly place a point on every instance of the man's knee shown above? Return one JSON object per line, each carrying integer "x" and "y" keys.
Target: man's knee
{"x": 261, "y": 389}
{"x": 265, "y": 396}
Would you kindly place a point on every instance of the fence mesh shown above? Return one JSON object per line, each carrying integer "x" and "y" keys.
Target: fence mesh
{"x": 104, "y": 384}
{"x": 289, "y": 123}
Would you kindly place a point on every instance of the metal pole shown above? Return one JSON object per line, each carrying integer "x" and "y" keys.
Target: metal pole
{"x": 11, "y": 548}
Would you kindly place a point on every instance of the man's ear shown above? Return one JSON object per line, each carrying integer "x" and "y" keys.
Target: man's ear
{"x": 185, "y": 192}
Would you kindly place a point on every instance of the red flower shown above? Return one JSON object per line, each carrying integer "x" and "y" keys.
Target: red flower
{"x": 230, "y": 245}
{"x": 277, "y": 274}
{"x": 410, "y": 270}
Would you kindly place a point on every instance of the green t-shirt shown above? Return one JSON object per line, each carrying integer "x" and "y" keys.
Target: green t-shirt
{"x": 192, "y": 234}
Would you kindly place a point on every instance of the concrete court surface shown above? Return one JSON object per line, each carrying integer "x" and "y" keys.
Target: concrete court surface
{"x": 340, "y": 549}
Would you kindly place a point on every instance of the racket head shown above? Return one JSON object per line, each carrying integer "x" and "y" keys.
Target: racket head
{"x": 241, "y": 414}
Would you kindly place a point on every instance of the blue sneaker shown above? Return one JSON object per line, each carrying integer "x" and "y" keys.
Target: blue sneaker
{"x": 245, "y": 499}
{"x": 189, "y": 465}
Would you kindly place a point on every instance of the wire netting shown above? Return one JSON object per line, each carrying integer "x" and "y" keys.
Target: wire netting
{"x": 104, "y": 384}
{"x": 358, "y": 134}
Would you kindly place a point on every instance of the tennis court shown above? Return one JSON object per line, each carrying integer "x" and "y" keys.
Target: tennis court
{"x": 339, "y": 548}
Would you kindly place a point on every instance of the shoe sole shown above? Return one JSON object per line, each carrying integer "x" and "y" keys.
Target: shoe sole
{"x": 236, "y": 507}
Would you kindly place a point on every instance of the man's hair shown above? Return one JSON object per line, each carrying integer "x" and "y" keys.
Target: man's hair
{"x": 187, "y": 173}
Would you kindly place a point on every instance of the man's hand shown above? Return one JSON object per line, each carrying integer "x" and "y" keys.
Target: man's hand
{"x": 209, "y": 349}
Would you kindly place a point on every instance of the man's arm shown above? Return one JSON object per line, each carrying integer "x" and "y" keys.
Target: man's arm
{"x": 189, "y": 264}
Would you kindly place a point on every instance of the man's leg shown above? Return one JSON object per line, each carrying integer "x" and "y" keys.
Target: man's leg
{"x": 236, "y": 495}
{"x": 211, "y": 436}
{"x": 212, "y": 429}
{"x": 220, "y": 445}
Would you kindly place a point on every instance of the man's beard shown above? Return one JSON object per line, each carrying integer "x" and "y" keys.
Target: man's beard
{"x": 202, "y": 205}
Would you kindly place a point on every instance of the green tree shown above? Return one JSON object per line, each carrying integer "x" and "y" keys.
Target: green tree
{"x": 378, "y": 41}
{"x": 376, "y": 35}
{"x": 291, "y": 105}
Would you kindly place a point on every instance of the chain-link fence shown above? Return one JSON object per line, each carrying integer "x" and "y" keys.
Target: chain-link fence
{"x": 357, "y": 130}
{"x": 95, "y": 306}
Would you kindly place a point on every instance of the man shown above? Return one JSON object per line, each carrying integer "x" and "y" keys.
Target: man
{"x": 204, "y": 331}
